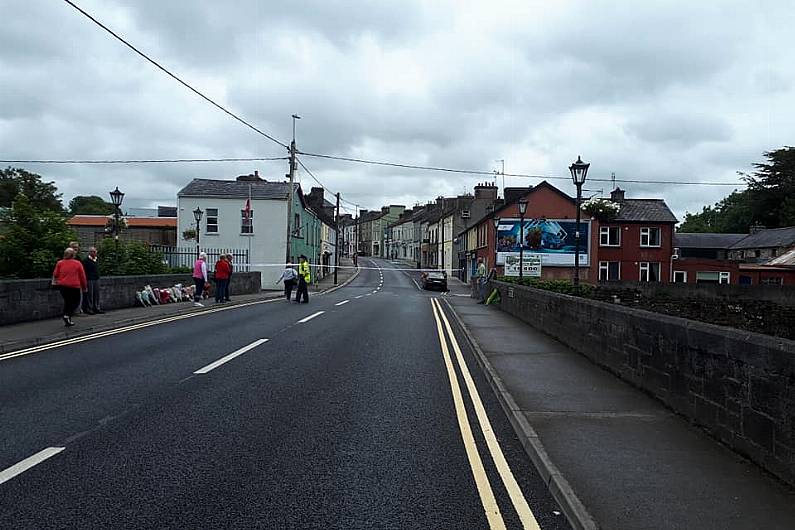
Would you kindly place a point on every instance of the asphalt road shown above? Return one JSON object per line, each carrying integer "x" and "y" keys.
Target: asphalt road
{"x": 347, "y": 418}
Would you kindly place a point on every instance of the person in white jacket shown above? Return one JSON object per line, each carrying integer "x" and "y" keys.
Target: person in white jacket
{"x": 289, "y": 275}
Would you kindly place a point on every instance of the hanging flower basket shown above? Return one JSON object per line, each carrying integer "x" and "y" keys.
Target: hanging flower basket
{"x": 189, "y": 234}
{"x": 602, "y": 209}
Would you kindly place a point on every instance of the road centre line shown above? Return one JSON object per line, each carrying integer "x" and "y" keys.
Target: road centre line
{"x": 360, "y": 296}
{"x": 125, "y": 329}
{"x": 487, "y": 498}
{"x": 508, "y": 479}
{"x": 310, "y": 317}
{"x": 227, "y": 358}
{"x": 342, "y": 303}
{"x": 29, "y": 462}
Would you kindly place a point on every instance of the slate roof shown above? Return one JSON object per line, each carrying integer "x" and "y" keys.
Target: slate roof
{"x": 701, "y": 240}
{"x": 788, "y": 259}
{"x": 768, "y": 238}
{"x": 645, "y": 210}
{"x": 226, "y": 189}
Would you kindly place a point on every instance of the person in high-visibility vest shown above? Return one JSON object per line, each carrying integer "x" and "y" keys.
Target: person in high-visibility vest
{"x": 304, "y": 278}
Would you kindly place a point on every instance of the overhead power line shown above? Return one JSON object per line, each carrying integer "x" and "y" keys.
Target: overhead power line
{"x": 148, "y": 161}
{"x": 321, "y": 184}
{"x": 520, "y": 175}
{"x": 175, "y": 77}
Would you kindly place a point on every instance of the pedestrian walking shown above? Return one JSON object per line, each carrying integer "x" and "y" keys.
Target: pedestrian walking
{"x": 288, "y": 277}
{"x": 231, "y": 270}
{"x": 304, "y": 278}
{"x": 70, "y": 278}
{"x": 75, "y": 245}
{"x": 199, "y": 278}
{"x": 91, "y": 303}
{"x": 223, "y": 271}
{"x": 480, "y": 280}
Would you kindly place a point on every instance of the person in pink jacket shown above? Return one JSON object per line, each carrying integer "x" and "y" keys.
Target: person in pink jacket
{"x": 70, "y": 278}
{"x": 199, "y": 278}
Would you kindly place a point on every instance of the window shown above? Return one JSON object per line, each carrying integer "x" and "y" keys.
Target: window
{"x": 297, "y": 225}
{"x": 649, "y": 272}
{"x": 212, "y": 220}
{"x": 713, "y": 277}
{"x": 680, "y": 276}
{"x": 776, "y": 280}
{"x": 246, "y": 224}
{"x": 609, "y": 236}
{"x": 649, "y": 236}
{"x": 609, "y": 271}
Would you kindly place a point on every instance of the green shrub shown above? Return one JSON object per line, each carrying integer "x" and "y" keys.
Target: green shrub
{"x": 129, "y": 258}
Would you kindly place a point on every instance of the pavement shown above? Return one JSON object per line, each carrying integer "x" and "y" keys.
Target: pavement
{"x": 359, "y": 409}
{"x": 613, "y": 457}
{"x": 27, "y": 334}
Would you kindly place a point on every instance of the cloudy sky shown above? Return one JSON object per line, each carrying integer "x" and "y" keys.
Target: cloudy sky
{"x": 654, "y": 90}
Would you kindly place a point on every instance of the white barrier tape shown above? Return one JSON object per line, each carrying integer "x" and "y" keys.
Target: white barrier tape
{"x": 330, "y": 267}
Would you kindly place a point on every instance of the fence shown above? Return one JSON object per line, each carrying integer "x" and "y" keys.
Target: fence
{"x": 185, "y": 257}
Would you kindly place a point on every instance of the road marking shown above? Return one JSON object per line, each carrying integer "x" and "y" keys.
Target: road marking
{"x": 342, "y": 303}
{"x": 227, "y": 358}
{"x": 125, "y": 329}
{"x": 310, "y": 317}
{"x": 514, "y": 491}
{"x": 360, "y": 296}
{"x": 375, "y": 291}
{"x": 487, "y": 499}
{"x": 29, "y": 462}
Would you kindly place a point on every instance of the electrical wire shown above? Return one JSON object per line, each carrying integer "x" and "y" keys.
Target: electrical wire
{"x": 321, "y": 184}
{"x": 152, "y": 161}
{"x": 496, "y": 173}
{"x": 173, "y": 76}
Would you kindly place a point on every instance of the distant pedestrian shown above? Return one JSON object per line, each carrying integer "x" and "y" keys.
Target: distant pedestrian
{"x": 304, "y": 279}
{"x": 288, "y": 277}
{"x": 480, "y": 281}
{"x": 199, "y": 278}
{"x": 229, "y": 283}
{"x": 223, "y": 270}
{"x": 70, "y": 278}
{"x": 91, "y": 303}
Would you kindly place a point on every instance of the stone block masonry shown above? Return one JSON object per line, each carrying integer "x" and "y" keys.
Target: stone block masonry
{"x": 737, "y": 385}
{"x": 26, "y": 300}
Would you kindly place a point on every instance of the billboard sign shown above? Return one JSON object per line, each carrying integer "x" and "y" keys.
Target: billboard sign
{"x": 551, "y": 239}
{"x": 531, "y": 265}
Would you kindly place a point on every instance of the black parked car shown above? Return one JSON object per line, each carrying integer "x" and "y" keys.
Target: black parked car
{"x": 434, "y": 280}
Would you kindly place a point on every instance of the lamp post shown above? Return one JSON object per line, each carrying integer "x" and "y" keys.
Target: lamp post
{"x": 522, "y": 211}
{"x": 579, "y": 170}
{"x": 116, "y": 197}
{"x": 197, "y": 214}
{"x": 496, "y": 239}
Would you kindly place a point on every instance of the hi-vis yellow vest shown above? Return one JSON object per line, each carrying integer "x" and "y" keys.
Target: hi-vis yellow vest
{"x": 303, "y": 271}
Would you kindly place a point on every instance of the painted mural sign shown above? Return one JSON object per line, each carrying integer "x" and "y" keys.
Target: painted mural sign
{"x": 551, "y": 239}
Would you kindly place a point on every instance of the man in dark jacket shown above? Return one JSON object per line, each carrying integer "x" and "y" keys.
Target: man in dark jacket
{"x": 91, "y": 297}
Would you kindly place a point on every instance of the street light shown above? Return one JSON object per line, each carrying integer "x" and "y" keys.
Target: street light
{"x": 522, "y": 210}
{"x": 197, "y": 214}
{"x": 579, "y": 170}
{"x": 496, "y": 239}
{"x": 116, "y": 197}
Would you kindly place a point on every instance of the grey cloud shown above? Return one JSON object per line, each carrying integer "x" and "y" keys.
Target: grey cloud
{"x": 683, "y": 130}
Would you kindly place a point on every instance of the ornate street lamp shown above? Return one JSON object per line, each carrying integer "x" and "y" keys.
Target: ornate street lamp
{"x": 116, "y": 197}
{"x": 522, "y": 211}
{"x": 579, "y": 170}
{"x": 197, "y": 214}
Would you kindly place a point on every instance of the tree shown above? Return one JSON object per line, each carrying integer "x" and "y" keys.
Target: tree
{"x": 43, "y": 195}
{"x": 32, "y": 239}
{"x": 90, "y": 205}
{"x": 129, "y": 258}
{"x": 769, "y": 199}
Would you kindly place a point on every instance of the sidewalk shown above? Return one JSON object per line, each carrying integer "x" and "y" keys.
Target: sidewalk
{"x": 27, "y": 334}
{"x": 614, "y": 457}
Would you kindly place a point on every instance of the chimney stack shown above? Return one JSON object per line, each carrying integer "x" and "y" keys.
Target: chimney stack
{"x": 617, "y": 195}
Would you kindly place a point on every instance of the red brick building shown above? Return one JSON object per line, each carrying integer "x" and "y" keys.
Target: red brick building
{"x": 153, "y": 230}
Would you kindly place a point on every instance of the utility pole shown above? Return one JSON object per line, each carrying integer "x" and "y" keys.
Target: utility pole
{"x": 502, "y": 172}
{"x": 337, "y": 240}
{"x": 291, "y": 176}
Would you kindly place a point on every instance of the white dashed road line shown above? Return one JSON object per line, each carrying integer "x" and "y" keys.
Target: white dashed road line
{"x": 227, "y": 358}
{"x": 29, "y": 462}
{"x": 310, "y": 317}
{"x": 342, "y": 303}
{"x": 360, "y": 296}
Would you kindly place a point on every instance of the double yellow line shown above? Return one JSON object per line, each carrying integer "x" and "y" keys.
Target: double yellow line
{"x": 485, "y": 491}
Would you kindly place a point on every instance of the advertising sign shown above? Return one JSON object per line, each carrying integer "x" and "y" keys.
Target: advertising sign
{"x": 551, "y": 239}
{"x": 531, "y": 265}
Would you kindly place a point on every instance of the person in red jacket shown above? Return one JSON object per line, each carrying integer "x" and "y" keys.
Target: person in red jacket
{"x": 70, "y": 278}
{"x": 223, "y": 270}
